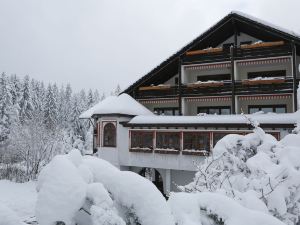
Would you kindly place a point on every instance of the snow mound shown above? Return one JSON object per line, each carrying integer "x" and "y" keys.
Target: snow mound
{"x": 8, "y": 217}
{"x": 122, "y": 104}
{"x": 186, "y": 207}
{"x": 61, "y": 191}
{"x": 132, "y": 191}
{"x": 71, "y": 181}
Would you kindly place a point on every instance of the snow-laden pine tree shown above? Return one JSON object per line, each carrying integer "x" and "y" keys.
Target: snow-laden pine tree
{"x": 96, "y": 97}
{"x": 50, "y": 110}
{"x": 117, "y": 91}
{"x": 90, "y": 98}
{"x": 6, "y": 107}
{"x": 25, "y": 103}
{"x": 15, "y": 89}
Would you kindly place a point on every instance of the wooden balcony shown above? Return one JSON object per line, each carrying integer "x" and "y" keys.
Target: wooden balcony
{"x": 243, "y": 52}
{"x": 242, "y": 87}
{"x": 165, "y": 91}
{"x": 271, "y": 86}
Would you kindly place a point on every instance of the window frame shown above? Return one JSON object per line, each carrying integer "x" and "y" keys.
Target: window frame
{"x": 214, "y": 107}
{"x": 167, "y": 108}
{"x": 280, "y": 73}
{"x": 142, "y": 133}
{"x": 215, "y": 77}
{"x": 268, "y": 106}
{"x": 104, "y": 124}
{"x": 184, "y": 133}
{"x": 157, "y": 133}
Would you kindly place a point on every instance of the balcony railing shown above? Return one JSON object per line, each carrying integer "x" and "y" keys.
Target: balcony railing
{"x": 263, "y": 87}
{"x": 263, "y": 50}
{"x": 245, "y": 87}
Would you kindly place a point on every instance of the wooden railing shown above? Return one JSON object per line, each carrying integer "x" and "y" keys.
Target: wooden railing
{"x": 241, "y": 88}
{"x": 261, "y": 50}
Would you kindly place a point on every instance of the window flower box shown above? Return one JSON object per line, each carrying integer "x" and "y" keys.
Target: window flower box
{"x": 155, "y": 87}
{"x": 204, "y": 84}
{"x": 205, "y": 51}
{"x": 262, "y": 44}
{"x": 263, "y": 80}
{"x": 143, "y": 150}
{"x": 167, "y": 151}
{"x": 195, "y": 152}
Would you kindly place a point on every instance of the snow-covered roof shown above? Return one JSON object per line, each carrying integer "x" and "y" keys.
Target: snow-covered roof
{"x": 290, "y": 32}
{"x": 268, "y": 118}
{"x": 122, "y": 104}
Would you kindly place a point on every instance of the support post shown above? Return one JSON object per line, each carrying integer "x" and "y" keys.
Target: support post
{"x": 232, "y": 50}
{"x": 232, "y": 55}
{"x": 295, "y": 72}
{"x": 180, "y": 86}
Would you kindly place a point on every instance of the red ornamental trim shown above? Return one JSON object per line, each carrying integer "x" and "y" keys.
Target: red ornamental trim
{"x": 212, "y": 99}
{"x": 266, "y": 61}
{"x": 155, "y": 101}
{"x": 264, "y": 97}
{"x": 208, "y": 66}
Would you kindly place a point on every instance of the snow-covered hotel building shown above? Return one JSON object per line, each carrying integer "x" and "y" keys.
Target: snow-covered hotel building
{"x": 170, "y": 119}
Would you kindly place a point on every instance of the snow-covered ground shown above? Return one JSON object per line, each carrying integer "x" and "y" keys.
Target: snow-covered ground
{"x": 19, "y": 198}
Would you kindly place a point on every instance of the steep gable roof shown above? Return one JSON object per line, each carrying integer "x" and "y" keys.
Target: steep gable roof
{"x": 212, "y": 37}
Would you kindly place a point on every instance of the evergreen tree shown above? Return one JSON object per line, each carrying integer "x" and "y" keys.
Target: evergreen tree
{"x": 96, "y": 96}
{"x": 117, "y": 91}
{"x": 15, "y": 89}
{"x": 50, "y": 111}
{"x": 90, "y": 99}
{"x": 26, "y": 106}
{"x": 6, "y": 107}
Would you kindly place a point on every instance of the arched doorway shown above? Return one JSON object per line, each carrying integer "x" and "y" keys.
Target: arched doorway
{"x": 154, "y": 176}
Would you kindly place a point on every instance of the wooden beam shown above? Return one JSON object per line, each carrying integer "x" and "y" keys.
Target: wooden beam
{"x": 232, "y": 50}
{"x": 180, "y": 86}
{"x": 295, "y": 72}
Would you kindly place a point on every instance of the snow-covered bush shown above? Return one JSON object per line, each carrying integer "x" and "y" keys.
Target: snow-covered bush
{"x": 213, "y": 209}
{"x": 258, "y": 171}
{"x": 69, "y": 181}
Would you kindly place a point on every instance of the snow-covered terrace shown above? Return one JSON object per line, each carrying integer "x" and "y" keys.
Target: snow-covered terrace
{"x": 288, "y": 119}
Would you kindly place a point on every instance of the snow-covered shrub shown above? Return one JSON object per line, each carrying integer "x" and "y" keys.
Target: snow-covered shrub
{"x": 258, "y": 171}
{"x": 69, "y": 181}
{"x": 214, "y": 208}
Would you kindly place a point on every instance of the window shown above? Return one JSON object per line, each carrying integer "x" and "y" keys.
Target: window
{"x": 196, "y": 141}
{"x": 109, "y": 135}
{"x": 267, "y": 108}
{"x": 170, "y": 111}
{"x": 168, "y": 140}
{"x": 142, "y": 139}
{"x": 215, "y": 77}
{"x": 275, "y": 73}
{"x": 220, "y": 110}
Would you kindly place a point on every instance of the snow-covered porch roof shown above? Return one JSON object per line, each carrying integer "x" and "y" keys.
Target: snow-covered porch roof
{"x": 287, "y": 120}
{"x": 117, "y": 105}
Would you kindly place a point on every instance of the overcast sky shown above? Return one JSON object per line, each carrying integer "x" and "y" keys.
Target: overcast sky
{"x": 100, "y": 43}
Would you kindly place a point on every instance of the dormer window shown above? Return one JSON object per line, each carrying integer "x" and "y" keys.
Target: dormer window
{"x": 109, "y": 135}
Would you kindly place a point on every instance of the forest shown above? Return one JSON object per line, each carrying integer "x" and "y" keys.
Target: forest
{"x": 39, "y": 121}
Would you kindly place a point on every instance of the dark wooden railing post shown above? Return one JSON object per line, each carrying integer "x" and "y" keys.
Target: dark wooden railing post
{"x": 232, "y": 50}
{"x": 295, "y": 72}
{"x": 180, "y": 86}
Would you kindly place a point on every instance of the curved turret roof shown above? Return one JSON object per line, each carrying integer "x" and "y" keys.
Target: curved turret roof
{"x": 121, "y": 105}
